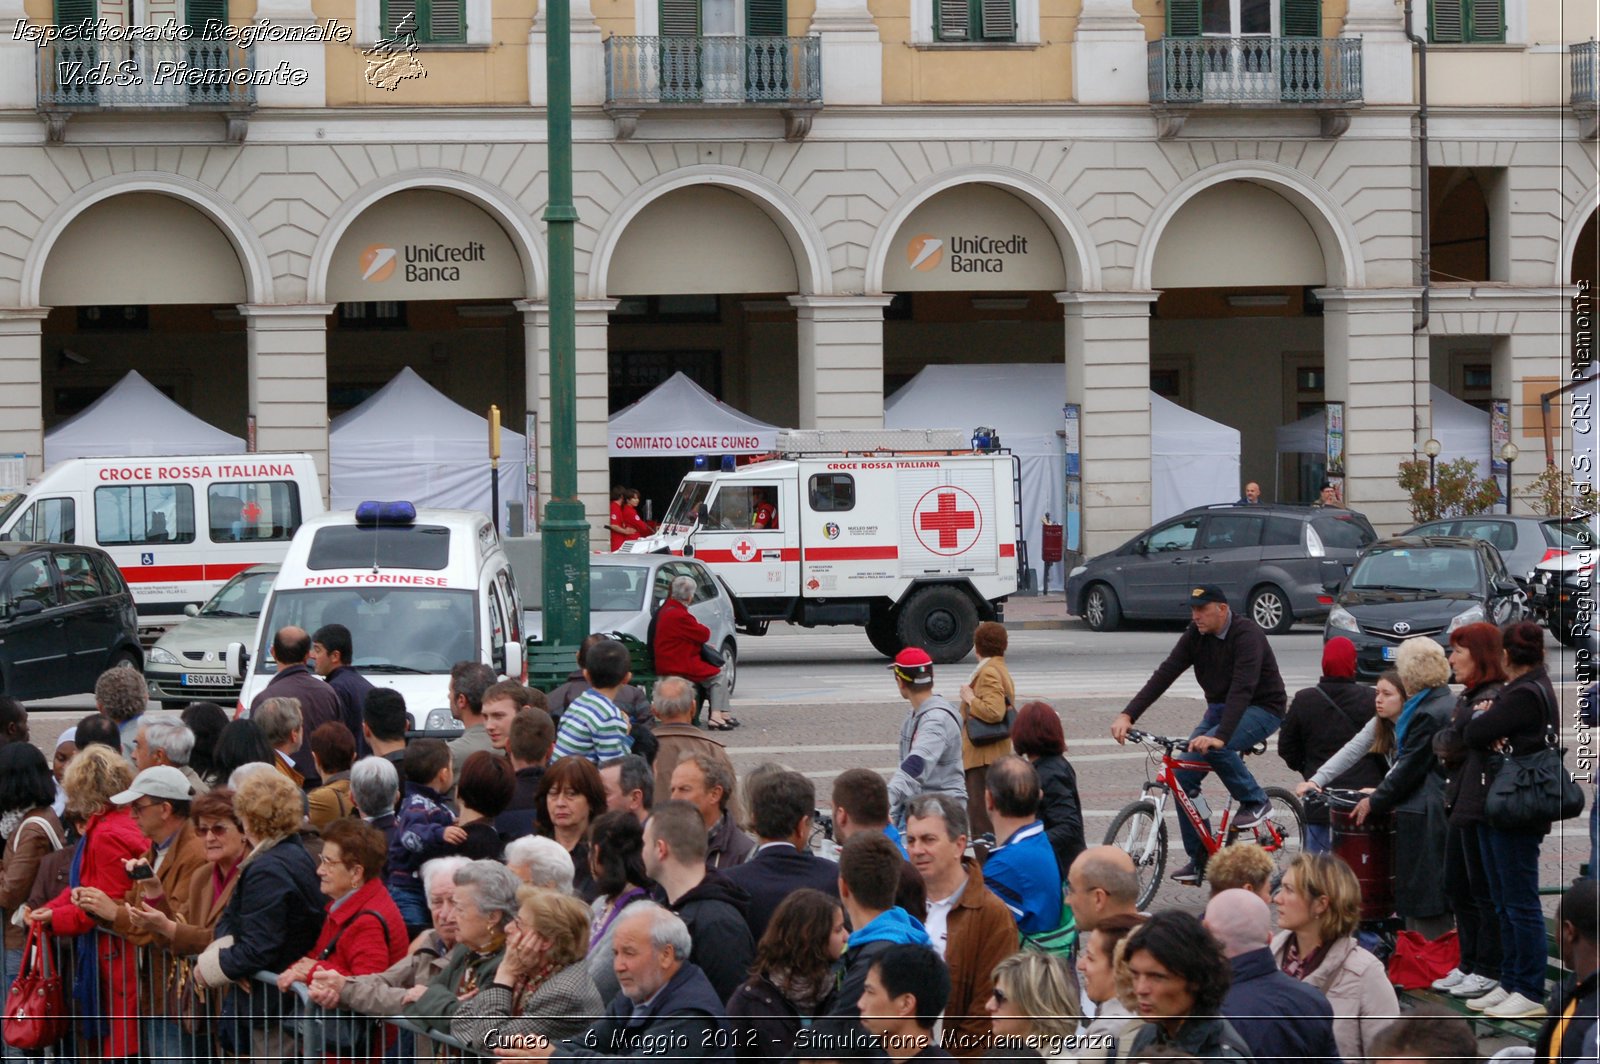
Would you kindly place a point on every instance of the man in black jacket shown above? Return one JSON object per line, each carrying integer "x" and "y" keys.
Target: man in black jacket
{"x": 319, "y": 703}
{"x": 781, "y": 806}
{"x": 1284, "y": 1020}
{"x": 1238, "y": 673}
{"x": 1571, "y": 1034}
{"x": 1320, "y": 721}
{"x": 711, "y": 907}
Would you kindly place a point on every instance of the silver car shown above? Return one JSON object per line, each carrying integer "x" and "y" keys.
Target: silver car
{"x": 626, "y": 589}
{"x": 188, "y": 664}
{"x": 1525, "y": 542}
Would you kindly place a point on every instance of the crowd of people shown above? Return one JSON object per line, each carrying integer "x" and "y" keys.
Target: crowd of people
{"x": 583, "y": 874}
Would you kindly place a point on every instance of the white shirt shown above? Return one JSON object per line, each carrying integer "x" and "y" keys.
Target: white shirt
{"x": 938, "y": 922}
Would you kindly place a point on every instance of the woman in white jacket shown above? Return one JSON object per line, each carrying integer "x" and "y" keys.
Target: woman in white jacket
{"x": 1319, "y": 906}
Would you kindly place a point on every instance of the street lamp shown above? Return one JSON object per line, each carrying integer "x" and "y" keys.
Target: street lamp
{"x": 1509, "y": 452}
{"x": 1432, "y": 449}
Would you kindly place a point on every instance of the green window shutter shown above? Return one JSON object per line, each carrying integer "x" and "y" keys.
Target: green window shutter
{"x": 447, "y": 20}
{"x": 1302, "y": 18}
{"x": 1488, "y": 20}
{"x": 954, "y": 20}
{"x": 72, "y": 12}
{"x": 1446, "y": 21}
{"x": 680, "y": 18}
{"x": 197, "y": 13}
{"x": 997, "y": 20}
{"x": 1183, "y": 18}
{"x": 394, "y": 12}
{"x": 766, "y": 18}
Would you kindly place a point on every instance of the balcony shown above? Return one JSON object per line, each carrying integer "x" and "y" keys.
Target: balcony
{"x": 1321, "y": 74}
{"x": 78, "y": 77}
{"x": 1585, "y": 85}
{"x": 753, "y": 73}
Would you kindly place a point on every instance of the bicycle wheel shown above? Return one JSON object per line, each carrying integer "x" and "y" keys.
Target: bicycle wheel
{"x": 1137, "y": 832}
{"x": 1283, "y": 833}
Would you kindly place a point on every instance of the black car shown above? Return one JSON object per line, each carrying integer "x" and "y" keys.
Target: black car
{"x": 66, "y": 615}
{"x": 1420, "y": 585}
{"x": 1271, "y": 560}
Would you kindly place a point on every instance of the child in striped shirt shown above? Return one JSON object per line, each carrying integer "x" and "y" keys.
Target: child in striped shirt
{"x": 592, "y": 726}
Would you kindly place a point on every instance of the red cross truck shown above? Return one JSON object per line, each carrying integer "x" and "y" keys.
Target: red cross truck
{"x": 910, "y": 534}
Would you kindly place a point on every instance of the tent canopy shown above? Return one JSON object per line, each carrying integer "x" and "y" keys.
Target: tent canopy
{"x": 678, "y": 417}
{"x": 134, "y": 417}
{"x": 1021, "y": 400}
{"x": 1461, "y": 429}
{"x": 1309, "y": 435}
{"x": 1194, "y": 461}
{"x": 411, "y": 441}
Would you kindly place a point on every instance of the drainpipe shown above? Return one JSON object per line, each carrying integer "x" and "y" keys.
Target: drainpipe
{"x": 1421, "y": 324}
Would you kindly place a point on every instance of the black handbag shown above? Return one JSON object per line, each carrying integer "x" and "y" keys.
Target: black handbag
{"x": 980, "y": 732}
{"x": 712, "y": 656}
{"x": 1530, "y": 792}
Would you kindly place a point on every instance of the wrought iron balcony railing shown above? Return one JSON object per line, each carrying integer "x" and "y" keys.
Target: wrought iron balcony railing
{"x": 1277, "y": 71}
{"x": 1585, "y": 82}
{"x": 132, "y": 76}
{"x": 767, "y": 72}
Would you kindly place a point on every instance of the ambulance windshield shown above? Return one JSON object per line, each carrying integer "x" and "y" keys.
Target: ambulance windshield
{"x": 688, "y": 505}
{"x": 393, "y": 629}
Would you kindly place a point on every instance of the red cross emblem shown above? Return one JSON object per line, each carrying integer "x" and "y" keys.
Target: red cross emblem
{"x": 744, "y": 550}
{"x": 947, "y": 520}
{"x": 251, "y": 512}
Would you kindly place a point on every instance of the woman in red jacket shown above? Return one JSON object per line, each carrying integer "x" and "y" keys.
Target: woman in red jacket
{"x": 107, "y": 1007}
{"x": 675, "y": 645}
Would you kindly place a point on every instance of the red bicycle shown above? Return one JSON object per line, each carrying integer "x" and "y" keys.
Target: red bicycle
{"x": 1140, "y": 830}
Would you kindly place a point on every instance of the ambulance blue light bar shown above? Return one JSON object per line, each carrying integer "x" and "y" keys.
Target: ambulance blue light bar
{"x": 386, "y": 513}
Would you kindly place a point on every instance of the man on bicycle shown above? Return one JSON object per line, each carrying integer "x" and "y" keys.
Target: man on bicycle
{"x": 1245, "y": 702}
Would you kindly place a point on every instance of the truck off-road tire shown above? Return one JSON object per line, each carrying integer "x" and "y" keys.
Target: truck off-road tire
{"x": 940, "y": 620}
{"x": 884, "y": 634}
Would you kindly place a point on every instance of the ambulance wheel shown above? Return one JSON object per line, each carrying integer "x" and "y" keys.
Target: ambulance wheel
{"x": 883, "y": 633}
{"x": 941, "y": 621}
{"x": 1101, "y": 609}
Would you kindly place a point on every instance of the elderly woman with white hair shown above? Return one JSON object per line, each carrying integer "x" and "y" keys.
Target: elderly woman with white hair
{"x": 540, "y": 862}
{"x": 485, "y": 904}
{"x": 1414, "y": 702}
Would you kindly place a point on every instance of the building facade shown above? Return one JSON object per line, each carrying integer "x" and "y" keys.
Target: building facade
{"x": 801, "y": 205}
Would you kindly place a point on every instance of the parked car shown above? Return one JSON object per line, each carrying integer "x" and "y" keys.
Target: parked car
{"x": 626, "y": 589}
{"x": 1522, "y": 540}
{"x": 1270, "y": 560}
{"x": 1420, "y": 585}
{"x": 66, "y": 615}
{"x": 1562, "y": 593}
{"x": 190, "y": 662}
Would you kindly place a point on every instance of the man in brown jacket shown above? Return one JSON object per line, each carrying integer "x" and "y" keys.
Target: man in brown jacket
{"x": 673, "y": 705}
{"x": 970, "y": 927}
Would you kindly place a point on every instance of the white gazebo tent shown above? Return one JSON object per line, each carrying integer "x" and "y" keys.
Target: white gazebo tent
{"x": 410, "y": 441}
{"x": 1461, "y": 429}
{"x": 1194, "y": 461}
{"x": 134, "y": 417}
{"x": 678, "y": 417}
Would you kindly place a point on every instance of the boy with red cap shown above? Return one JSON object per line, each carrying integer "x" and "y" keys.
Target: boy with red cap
{"x": 930, "y": 739}
{"x": 1320, "y": 721}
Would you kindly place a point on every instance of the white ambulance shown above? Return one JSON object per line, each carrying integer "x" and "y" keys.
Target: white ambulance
{"x": 911, "y": 534}
{"x": 419, "y": 590}
{"x": 178, "y": 527}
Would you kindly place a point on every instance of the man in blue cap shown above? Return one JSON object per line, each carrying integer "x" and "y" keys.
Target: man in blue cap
{"x": 930, "y": 738}
{"x": 1245, "y": 703}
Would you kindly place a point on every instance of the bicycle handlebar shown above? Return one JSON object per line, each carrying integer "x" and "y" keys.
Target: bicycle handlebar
{"x": 1181, "y": 745}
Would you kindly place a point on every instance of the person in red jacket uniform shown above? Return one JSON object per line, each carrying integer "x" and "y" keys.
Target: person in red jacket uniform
{"x": 675, "y": 643}
{"x": 108, "y": 1015}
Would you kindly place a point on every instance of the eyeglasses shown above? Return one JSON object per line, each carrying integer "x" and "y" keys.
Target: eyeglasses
{"x": 139, "y": 807}
{"x": 219, "y": 829}
{"x": 325, "y": 859}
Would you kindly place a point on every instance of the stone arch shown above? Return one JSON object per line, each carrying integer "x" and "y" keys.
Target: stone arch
{"x": 519, "y": 226}
{"x": 1079, "y": 258}
{"x": 799, "y": 229}
{"x": 1341, "y": 250}
{"x": 226, "y": 216}
{"x": 1587, "y": 206}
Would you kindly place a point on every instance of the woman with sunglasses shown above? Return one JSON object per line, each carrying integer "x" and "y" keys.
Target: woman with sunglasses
{"x": 1034, "y": 1005}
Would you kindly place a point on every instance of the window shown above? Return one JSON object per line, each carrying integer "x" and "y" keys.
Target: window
{"x": 975, "y": 20}
{"x": 28, "y": 581}
{"x": 255, "y": 511}
{"x": 1244, "y": 18}
{"x": 436, "y": 21}
{"x": 144, "y": 513}
{"x": 705, "y": 585}
{"x": 1466, "y": 21}
{"x": 110, "y": 576}
{"x": 1567, "y": 535}
{"x": 1179, "y": 536}
{"x": 1232, "y": 530}
{"x": 1343, "y": 533}
{"x": 363, "y": 547}
{"x": 46, "y": 521}
{"x": 740, "y": 507}
{"x": 497, "y": 632}
{"x": 79, "y": 581}
{"x": 513, "y": 606}
{"x": 833, "y": 492}
{"x": 384, "y": 314}
{"x": 1281, "y": 532}
{"x": 114, "y": 318}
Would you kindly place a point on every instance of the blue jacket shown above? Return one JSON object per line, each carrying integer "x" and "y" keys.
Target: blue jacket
{"x": 1283, "y": 1020}
{"x": 838, "y": 1035}
{"x": 352, "y": 688}
{"x": 1022, "y": 872}
{"x": 684, "y": 1022}
{"x": 418, "y": 827}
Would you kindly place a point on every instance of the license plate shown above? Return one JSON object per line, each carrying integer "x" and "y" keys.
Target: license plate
{"x": 1389, "y": 652}
{"x": 204, "y": 679}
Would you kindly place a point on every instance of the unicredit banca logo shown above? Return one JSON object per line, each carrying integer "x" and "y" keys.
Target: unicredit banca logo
{"x": 378, "y": 263}
{"x": 925, "y": 252}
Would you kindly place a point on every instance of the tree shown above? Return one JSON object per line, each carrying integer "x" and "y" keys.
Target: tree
{"x": 1457, "y": 490}
{"x": 1555, "y": 493}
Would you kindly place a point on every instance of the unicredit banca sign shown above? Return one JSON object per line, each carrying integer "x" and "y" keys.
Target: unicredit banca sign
{"x": 967, "y": 253}
{"x": 419, "y": 262}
